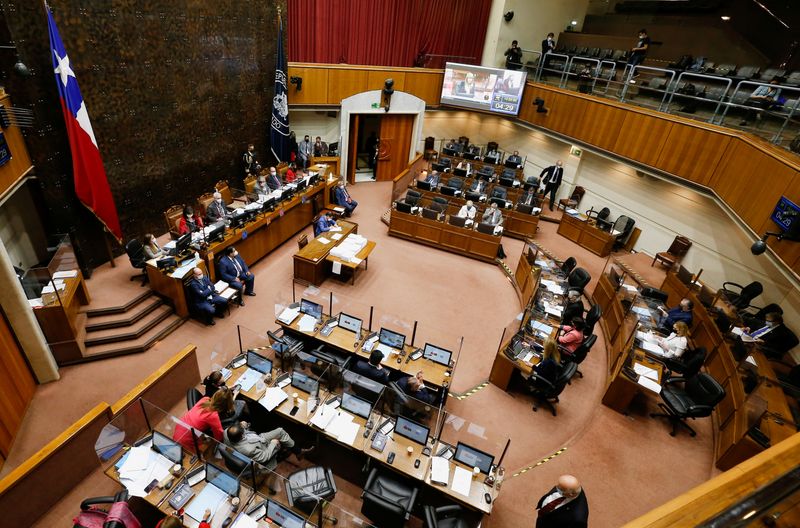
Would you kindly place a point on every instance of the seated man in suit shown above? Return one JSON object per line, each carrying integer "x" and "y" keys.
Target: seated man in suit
{"x": 414, "y": 386}
{"x": 433, "y": 179}
{"x": 478, "y": 186}
{"x": 217, "y": 209}
{"x": 574, "y": 306}
{"x": 682, "y": 312}
{"x": 203, "y": 300}
{"x": 264, "y": 447}
{"x": 516, "y": 159}
{"x": 468, "y": 211}
{"x": 774, "y": 338}
{"x": 343, "y": 199}
{"x": 373, "y": 370}
{"x": 564, "y": 506}
{"x": 235, "y": 272}
{"x": 324, "y": 223}
{"x": 528, "y": 198}
{"x": 492, "y": 216}
{"x": 261, "y": 186}
{"x": 273, "y": 180}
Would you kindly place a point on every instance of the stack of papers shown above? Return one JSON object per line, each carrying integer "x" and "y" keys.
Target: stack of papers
{"x": 641, "y": 311}
{"x": 553, "y": 286}
{"x": 52, "y": 286}
{"x": 323, "y": 240}
{"x": 462, "y": 481}
{"x": 288, "y": 315}
{"x": 653, "y": 347}
{"x": 210, "y": 498}
{"x": 440, "y": 470}
{"x": 36, "y": 303}
{"x": 645, "y": 371}
{"x": 227, "y": 293}
{"x": 139, "y": 467}
{"x": 306, "y": 323}
{"x": 220, "y": 286}
{"x": 541, "y": 327}
{"x": 349, "y": 247}
{"x": 553, "y": 309}
{"x": 185, "y": 269}
{"x": 70, "y": 274}
{"x": 647, "y": 383}
{"x": 572, "y": 212}
{"x": 244, "y": 521}
{"x": 336, "y": 236}
{"x": 336, "y": 423}
{"x": 273, "y": 397}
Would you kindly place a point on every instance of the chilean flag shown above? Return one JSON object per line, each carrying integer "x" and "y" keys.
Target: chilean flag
{"x": 91, "y": 183}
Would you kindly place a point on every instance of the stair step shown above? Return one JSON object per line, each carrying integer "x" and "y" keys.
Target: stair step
{"x": 94, "y": 311}
{"x": 134, "y": 346}
{"x": 135, "y": 331}
{"x": 129, "y": 318}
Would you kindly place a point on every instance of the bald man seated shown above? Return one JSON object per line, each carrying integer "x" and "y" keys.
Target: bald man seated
{"x": 217, "y": 210}
{"x": 564, "y": 506}
{"x": 204, "y": 303}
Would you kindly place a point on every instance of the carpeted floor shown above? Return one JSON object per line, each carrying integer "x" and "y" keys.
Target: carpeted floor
{"x": 626, "y": 463}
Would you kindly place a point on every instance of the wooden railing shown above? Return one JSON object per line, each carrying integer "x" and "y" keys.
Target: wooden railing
{"x": 401, "y": 182}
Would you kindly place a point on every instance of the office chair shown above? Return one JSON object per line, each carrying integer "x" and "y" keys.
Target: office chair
{"x": 135, "y": 252}
{"x": 113, "y": 513}
{"x": 412, "y": 197}
{"x": 574, "y": 199}
{"x": 450, "y": 516}
{"x": 581, "y": 352}
{"x": 387, "y": 500}
{"x": 600, "y": 217}
{"x": 677, "y": 250}
{"x": 307, "y": 488}
{"x": 499, "y": 192}
{"x": 192, "y": 397}
{"x": 592, "y": 316}
{"x": 578, "y": 279}
{"x": 509, "y": 174}
{"x": 695, "y": 399}
{"x": 441, "y": 201}
{"x": 741, "y": 299}
{"x": 689, "y": 364}
{"x": 546, "y": 392}
{"x": 758, "y": 319}
{"x": 455, "y": 183}
{"x": 242, "y": 465}
{"x": 624, "y": 226}
{"x": 655, "y": 294}
{"x": 568, "y": 265}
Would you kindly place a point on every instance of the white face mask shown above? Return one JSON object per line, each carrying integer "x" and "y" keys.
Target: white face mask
{"x": 772, "y": 324}
{"x": 219, "y": 200}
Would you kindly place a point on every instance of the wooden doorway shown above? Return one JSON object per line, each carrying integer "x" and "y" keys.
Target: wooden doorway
{"x": 395, "y": 145}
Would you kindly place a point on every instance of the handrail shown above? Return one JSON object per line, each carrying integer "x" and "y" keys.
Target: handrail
{"x": 702, "y": 76}
{"x": 647, "y": 68}
{"x": 572, "y": 60}
{"x": 544, "y": 59}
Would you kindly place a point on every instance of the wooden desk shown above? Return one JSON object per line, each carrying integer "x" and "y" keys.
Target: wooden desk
{"x": 311, "y": 264}
{"x": 60, "y": 319}
{"x": 477, "y": 489}
{"x": 362, "y": 255}
{"x": 172, "y": 289}
{"x": 586, "y": 235}
{"x": 622, "y": 389}
{"x": 461, "y": 240}
{"x": 403, "y": 462}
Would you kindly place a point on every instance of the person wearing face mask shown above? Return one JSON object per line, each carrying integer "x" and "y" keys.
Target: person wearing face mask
{"x": 273, "y": 181}
{"x": 550, "y": 177}
{"x": 468, "y": 211}
{"x": 305, "y": 149}
{"x": 638, "y": 52}
{"x": 548, "y": 46}
{"x": 682, "y": 312}
{"x": 343, "y": 199}
{"x": 320, "y": 147}
{"x": 190, "y": 221}
{"x": 250, "y": 161}
{"x": 217, "y": 209}
{"x": 203, "y": 300}
{"x": 261, "y": 186}
{"x": 774, "y": 339}
{"x": 513, "y": 56}
{"x": 564, "y": 506}
{"x": 235, "y": 272}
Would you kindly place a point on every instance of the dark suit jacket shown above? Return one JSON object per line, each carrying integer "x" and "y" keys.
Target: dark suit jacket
{"x": 341, "y": 196}
{"x": 228, "y": 271}
{"x": 553, "y": 173}
{"x": 216, "y": 211}
{"x": 422, "y": 395}
{"x": 199, "y": 291}
{"x": 778, "y": 342}
{"x": 547, "y": 47}
{"x": 572, "y": 311}
{"x": 365, "y": 369}
{"x": 273, "y": 182}
{"x": 574, "y": 514}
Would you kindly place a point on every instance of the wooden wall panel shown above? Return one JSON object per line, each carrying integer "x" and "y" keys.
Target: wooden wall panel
{"x": 18, "y": 386}
{"x": 751, "y": 183}
{"x": 642, "y": 137}
{"x": 344, "y": 83}
{"x": 692, "y": 153}
{"x": 20, "y": 161}
{"x": 601, "y": 125}
{"x": 425, "y": 85}
{"x": 314, "y": 89}
{"x": 377, "y": 79}
{"x": 788, "y": 251}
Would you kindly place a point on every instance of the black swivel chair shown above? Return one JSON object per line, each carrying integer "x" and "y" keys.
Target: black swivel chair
{"x": 136, "y": 255}
{"x": 499, "y": 192}
{"x": 441, "y": 201}
{"x": 578, "y": 279}
{"x": 581, "y": 352}
{"x": 546, "y": 392}
{"x": 192, "y": 397}
{"x": 741, "y": 299}
{"x": 307, "y": 488}
{"x": 387, "y": 500}
{"x": 451, "y": 516}
{"x": 455, "y": 183}
{"x": 241, "y": 465}
{"x": 412, "y": 197}
{"x": 601, "y": 217}
{"x": 689, "y": 364}
{"x": 695, "y": 398}
{"x": 568, "y": 265}
{"x": 592, "y": 316}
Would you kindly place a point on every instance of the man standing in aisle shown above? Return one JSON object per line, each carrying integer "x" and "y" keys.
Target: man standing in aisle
{"x": 250, "y": 161}
{"x": 305, "y": 150}
{"x": 564, "y": 506}
{"x": 514, "y": 57}
{"x": 551, "y": 179}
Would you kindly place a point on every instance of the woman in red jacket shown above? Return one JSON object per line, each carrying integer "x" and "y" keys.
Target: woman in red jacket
{"x": 190, "y": 221}
{"x": 205, "y": 417}
{"x": 175, "y": 520}
{"x": 572, "y": 337}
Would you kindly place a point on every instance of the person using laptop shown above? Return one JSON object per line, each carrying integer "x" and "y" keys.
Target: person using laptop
{"x": 468, "y": 211}
{"x": 465, "y": 165}
{"x": 516, "y": 159}
{"x": 273, "y": 180}
{"x": 373, "y": 369}
{"x": 572, "y": 337}
{"x": 493, "y": 216}
{"x": 676, "y": 343}
{"x": 478, "y": 186}
{"x": 528, "y": 198}
{"x": 414, "y": 386}
{"x": 774, "y": 338}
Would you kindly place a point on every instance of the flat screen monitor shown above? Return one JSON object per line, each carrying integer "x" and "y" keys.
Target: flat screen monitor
{"x": 489, "y": 89}
{"x": 354, "y": 404}
{"x": 511, "y": 164}
{"x": 301, "y": 184}
{"x": 282, "y": 516}
{"x": 501, "y": 203}
{"x": 447, "y": 191}
{"x": 167, "y": 447}
{"x": 786, "y": 215}
{"x": 218, "y": 231}
{"x": 286, "y": 194}
{"x": 472, "y": 195}
{"x": 422, "y": 184}
{"x": 506, "y": 182}
{"x": 460, "y": 172}
{"x": 222, "y": 479}
{"x": 525, "y": 209}
{"x": 391, "y": 339}
{"x": 182, "y": 244}
{"x": 305, "y": 383}
{"x": 403, "y": 207}
{"x": 458, "y": 221}
{"x": 472, "y": 155}
{"x": 450, "y": 151}
{"x": 311, "y": 308}
{"x": 348, "y": 322}
{"x": 487, "y": 229}
{"x": 684, "y": 275}
{"x": 441, "y": 167}
{"x": 258, "y": 362}
{"x": 471, "y": 457}
{"x": 430, "y": 214}
{"x": 412, "y": 430}
{"x": 332, "y": 148}
{"x": 436, "y": 354}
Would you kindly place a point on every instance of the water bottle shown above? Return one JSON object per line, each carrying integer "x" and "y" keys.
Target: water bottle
{"x": 501, "y": 474}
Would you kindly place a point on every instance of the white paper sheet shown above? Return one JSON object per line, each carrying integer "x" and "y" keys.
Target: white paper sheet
{"x": 273, "y": 397}
{"x": 336, "y": 236}
{"x": 323, "y": 240}
{"x": 752, "y": 361}
{"x": 347, "y": 433}
{"x": 288, "y": 315}
{"x": 462, "y": 481}
{"x": 306, "y": 323}
{"x": 248, "y": 379}
{"x": 70, "y": 274}
{"x": 220, "y": 285}
{"x": 243, "y": 521}
{"x": 356, "y": 261}
{"x": 138, "y": 459}
{"x": 647, "y": 372}
{"x": 335, "y": 229}
{"x": 36, "y": 303}
{"x": 647, "y": 383}
{"x": 227, "y": 293}
{"x": 324, "y": 415}
{"x": 337, "y": 267}
{"x": 640, "y": 310}
{"x": 339, "y": 424}
{"x": 736, "y": 330}
{"x": 210, "y": 498}
{"x": 652, "y": 346}
{"x": 440, "y": 470}
{"x": 547, "y": 329}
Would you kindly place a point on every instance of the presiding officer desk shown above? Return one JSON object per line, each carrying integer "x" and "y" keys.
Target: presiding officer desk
{"x": 315, "y": 262}
{"x": 586, "y": 234}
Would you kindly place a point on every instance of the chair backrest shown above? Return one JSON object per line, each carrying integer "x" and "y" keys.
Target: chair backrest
{"x": 568, "y": 265}
{"x": 622, "y": 224}
{"x": 412, "y": 197}
{"x": 567, "y": 373}
{"x": 173, "y": 217}
{"x": 680, "y": 246}
{"x": 192, "y": 397}
{"x": 233, "y": 462}
{"x": 203, "y": 201}
{"x": 455, "y": 182}
{"x": 749, "y": 292}
{"x": 603, "y": 214}
{"x": 250, "y": 183}
{"x": 499, "y": 192}
{"x": 430, "y": 214}
{"x": 135, "y": 253}
{"x": 225, "y": 190}
{"x": 440, "y": 200}
{"x": 583, "y": 349}
{"x": 592, "y": 316}
{"x": 577, "y": 193}
{"x": 703, "y": 390}
{"x": 579, "y": 278}
{"x": 695, "y": 361}
{"x": 302, "y": 241}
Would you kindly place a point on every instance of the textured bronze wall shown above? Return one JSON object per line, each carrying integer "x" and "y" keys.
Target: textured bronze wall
{"x": 175, "y": 90}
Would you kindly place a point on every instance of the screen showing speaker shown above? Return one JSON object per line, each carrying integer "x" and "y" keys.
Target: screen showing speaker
{"x": 479, "y": 88}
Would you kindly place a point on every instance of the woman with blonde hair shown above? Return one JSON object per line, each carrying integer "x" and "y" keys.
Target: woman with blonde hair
{"x": 550, "y": 366}
{"x": 675, "y": 344}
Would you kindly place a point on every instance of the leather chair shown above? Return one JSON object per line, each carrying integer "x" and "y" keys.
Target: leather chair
{"x": 741, "y": 299}
{"x": 689, "y": 364}
{"x": 239, "y": 464}
{"x": 600, "y": 217}
{"x": 684, "y": 398}
{"x": 655, "y": 294}
{"x": 387, "y": 500}
{"x": 412, "y": 197}
{"x": 677, "y": 250}
{"x": 578, "y": 279}
{"x": 546, "y": 392}
{"x": 624, "y": 227}
{"x": 568, "y": 265}
{"x": 455, "y": 183}
{"x": 136, "y": 255}
{"x": 592, "y": 316}
{"x": 307, "y": 488}
{"x": 581, "y": 352}
{"x": 192, "y": 397}
{"x": 172, "y": 217}
{"x": 451, "y": 516}
{"x": 509, "y": 174}
{"x": 574, "y": 199}
{"x": 498, "y": 191}
{"x": 486, "y": 172}
{"x": 302, "y": 242}
{"x": 441, "y": 201}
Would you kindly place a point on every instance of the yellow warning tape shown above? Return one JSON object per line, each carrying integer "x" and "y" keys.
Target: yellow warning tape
{"x": 539, "y": 463}
{"x": 470, "y": 392}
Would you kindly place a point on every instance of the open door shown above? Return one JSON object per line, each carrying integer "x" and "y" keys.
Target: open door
{"x": 352, "y": 148}
{"x": 395, "y": 144}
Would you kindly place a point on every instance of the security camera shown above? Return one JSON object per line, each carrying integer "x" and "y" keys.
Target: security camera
{"x": 758, "y": 247}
